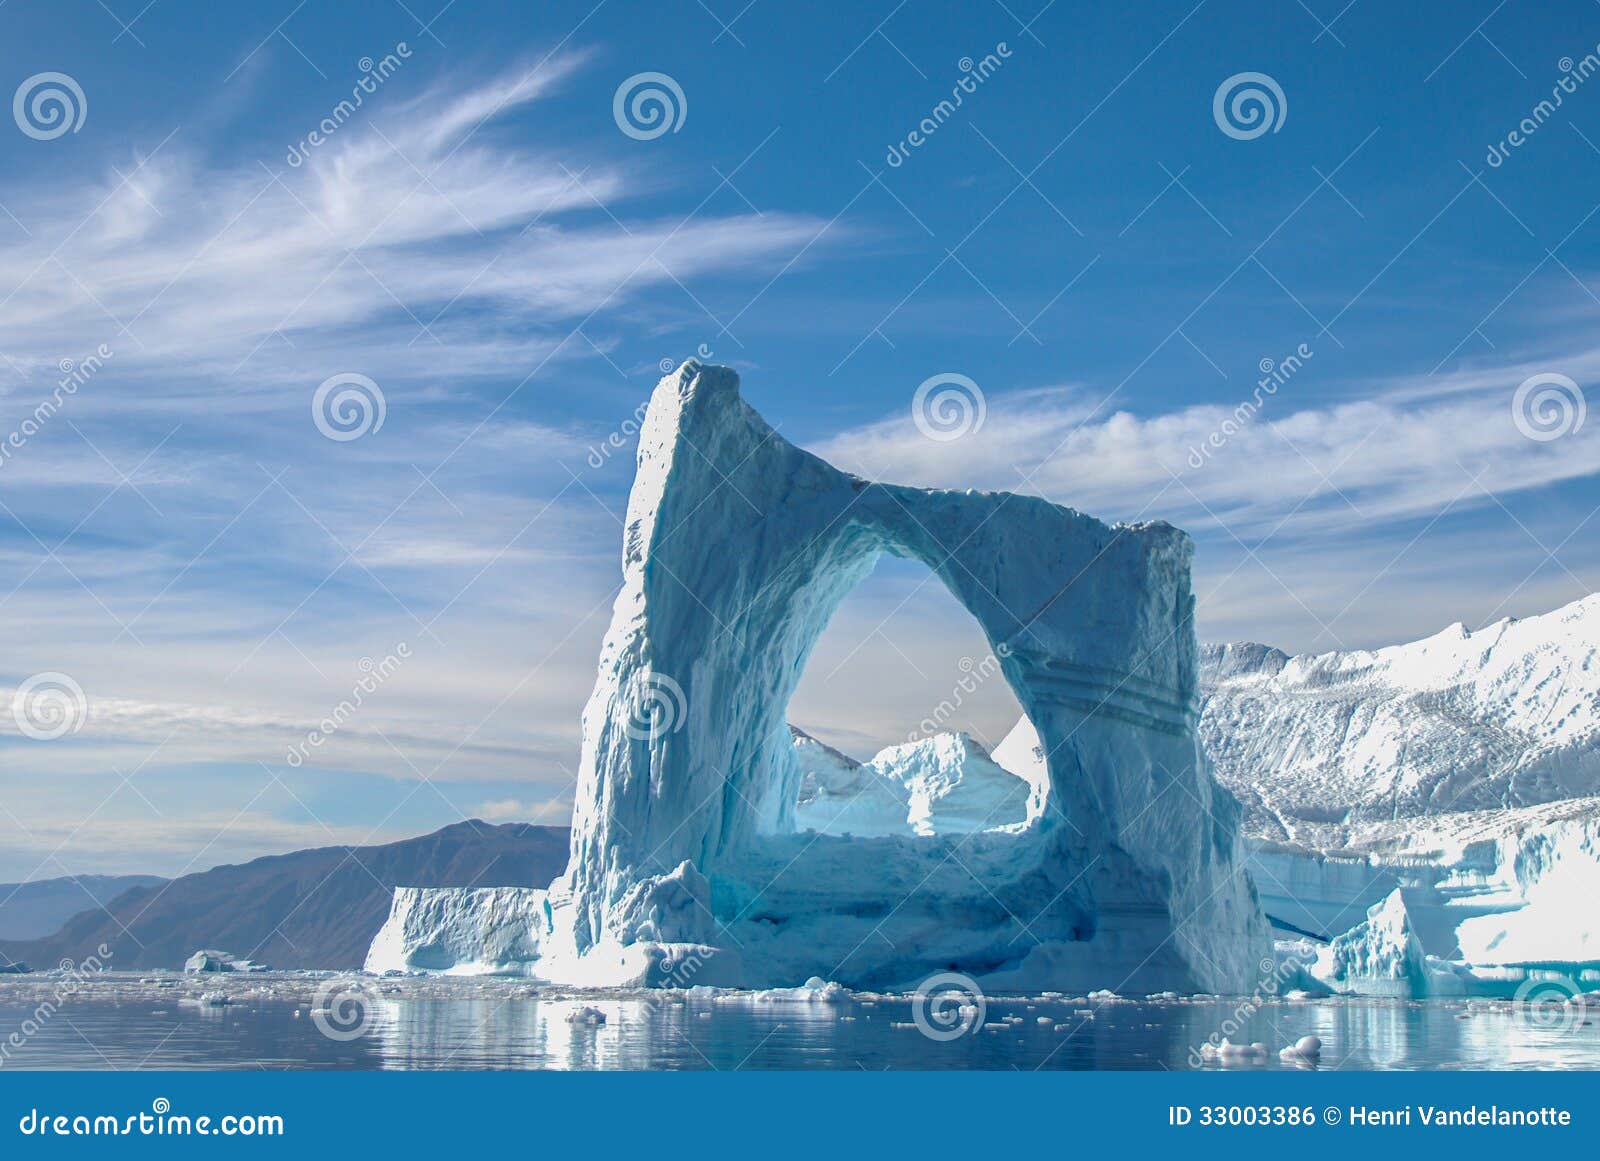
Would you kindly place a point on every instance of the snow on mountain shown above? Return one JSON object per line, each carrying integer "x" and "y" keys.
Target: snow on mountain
{"x": 1457, "y": 777}
{"x": 1316, "y": 746}
{"x": 946, "y": 783}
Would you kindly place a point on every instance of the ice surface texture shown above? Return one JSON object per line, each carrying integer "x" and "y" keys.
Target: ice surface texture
{"x": 738, "y": 548}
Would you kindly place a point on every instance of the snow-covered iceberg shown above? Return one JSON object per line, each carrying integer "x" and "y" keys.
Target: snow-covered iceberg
{"x": 460, "y": 930}
{"x": 211, "y": 960}
{"x": 943, "y": 784}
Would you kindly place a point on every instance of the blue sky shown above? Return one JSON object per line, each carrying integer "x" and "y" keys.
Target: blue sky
{"x": 482, "y": 241}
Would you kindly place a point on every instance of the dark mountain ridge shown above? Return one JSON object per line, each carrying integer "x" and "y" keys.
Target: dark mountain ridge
{"x": 315, "y": 908}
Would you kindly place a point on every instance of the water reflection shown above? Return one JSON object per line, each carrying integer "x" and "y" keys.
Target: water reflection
{"x": 507, "y": 1024}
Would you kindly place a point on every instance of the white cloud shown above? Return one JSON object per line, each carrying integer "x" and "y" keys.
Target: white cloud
{"x": 413, "y": 241}
{"x": 1403, "y": 450}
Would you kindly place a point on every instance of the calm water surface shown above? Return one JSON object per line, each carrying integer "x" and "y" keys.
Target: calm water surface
{"x": 295, "y": 1021}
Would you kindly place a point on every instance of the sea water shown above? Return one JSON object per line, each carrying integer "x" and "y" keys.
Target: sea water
{"x": 305, "y": 1021}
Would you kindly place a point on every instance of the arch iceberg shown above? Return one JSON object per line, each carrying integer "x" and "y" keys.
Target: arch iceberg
{"x": 686, "y": 867}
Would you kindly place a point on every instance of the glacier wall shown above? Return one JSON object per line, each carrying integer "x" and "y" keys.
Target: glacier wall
{"x": 738, "y": 547}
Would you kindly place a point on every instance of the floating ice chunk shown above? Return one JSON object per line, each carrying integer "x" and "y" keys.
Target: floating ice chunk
{"x": 207, "y": 960}
{"x": 1305, "y": 1048}
{"x": 1230, "y": 1054}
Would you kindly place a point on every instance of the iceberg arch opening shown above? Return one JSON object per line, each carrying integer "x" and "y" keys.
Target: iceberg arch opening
{"x": 899, "y": 706}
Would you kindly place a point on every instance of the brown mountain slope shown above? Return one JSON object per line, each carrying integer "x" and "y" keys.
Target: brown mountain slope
{"x": 309, "y": 909}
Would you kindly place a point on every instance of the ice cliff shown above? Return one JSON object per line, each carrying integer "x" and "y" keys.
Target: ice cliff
{"x": 1378, "y": 956}
{"x": 1116, "y": 864}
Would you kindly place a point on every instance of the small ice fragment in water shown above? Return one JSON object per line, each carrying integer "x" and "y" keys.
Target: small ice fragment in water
{"x": 1305, "y": 1048}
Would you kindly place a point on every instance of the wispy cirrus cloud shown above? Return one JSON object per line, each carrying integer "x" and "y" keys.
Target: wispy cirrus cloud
{"x": 1396, "y": 451}
{"x": 415, "y": 240}
{"x": 184, "y": 543}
